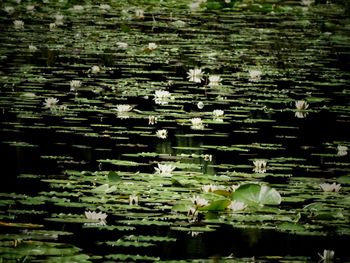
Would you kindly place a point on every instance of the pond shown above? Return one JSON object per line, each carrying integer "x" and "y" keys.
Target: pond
{"x": 175, "y": 131}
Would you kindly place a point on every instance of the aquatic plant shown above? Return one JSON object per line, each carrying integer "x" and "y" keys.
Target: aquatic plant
{"x": 214, "y": 81}
{"x": 236, "y": 206}
{"x": 330, "y": 187}
{"x": 301, "y": 106}
{"x": 75, "y": 84}
{"x": 342, "y": 150}
{"x": 94, "y": 216}
{"x": 260, "y": 166}
{"x": 18, "y": 24}
{"x": 254, "y": 75}
{"x": 197, "y": 124}
{"x": 162, "y": 134}
{"x": 164, "y": 169}
{"x": 195, "y": 75}
{"x": 162, "y": 97}
{"x": 133, "y": 199}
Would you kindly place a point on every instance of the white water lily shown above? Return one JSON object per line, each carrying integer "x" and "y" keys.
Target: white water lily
{"x": 95, "y": 69}
{"x": 342, "y": 150}
{"x": 78, "y": 8}
{"x": 9, "y": 9}
{"x": 200, "y": 105}
{"x": 330, "y": 187}
{"x": 140, "y": 13}
{"x": 301, "y": 106}
{"x": 30, "y": 8}
{"x": 133, "y": 199}
{"x": 100, "y": 217}
{"x": 152, "y": 120}
{"x": 199, "y": 201}
{"x": 164, "y": 169}
{"x": 328, "y": 256}
{"x": 197, "y": 124}
{"x": 211, "y": 188}
{"x": 59, "y": 19}
{"x": 50, "y": 103}
{"x": 105, "y": 7}
{"x": 207, "y": 157}
{"x": 122, "y": 45}
{"x": 218, "y": 115}
{"x": 152, "y": 46}
{"x": 254, "y": 75}
{"x": 52, "y": 26}
{"x": 123, "y": 110}
{"x": 195, "y": 75}
{"x": 162, "y": 97}
{"x": 259, "y": 166}
{"x": 18, "y": 24}
{"x": 236, "y": 206}
{"x": 32, "y": 48}
{"x": 214, "y": 80}
{"x": 162, "y": 134}
{"x": 75, "y": 84}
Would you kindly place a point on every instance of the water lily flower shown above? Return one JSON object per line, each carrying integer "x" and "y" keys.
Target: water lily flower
{"x": 199, "y": 201}
{"x": 78, "y": 8}
{"x": 236, "y": 206}
{"x": 330, "y": 187}
{"x": 122, "y": 45}
{"x": 18, "y": 24}
{"x": 152, "y": 120}
{"x": 52, "y": 26}
{"x": 105, "y": 7}
{"x": 214, "y": 80}
{"x": 30, "y": 8}
{"x": 254, "y": 75}
{"x": 162, "y": 97}
{"x": 207, "y": 157}
{"x": 197, "y": 124}
{"x": 218, "y": 115}
{"x": 195, "y": 75}
{"x": 95, "y": 69}
{"x": 133, "y": 200}
{"x": 32, "y": 48}
{"x": 100, "y": 217}
{"x": 200, "y": 105}
{"x": 165, "y": 169}
{"x": 211, "y": 188}
{"x": 122, "y": 110}
{"x": 301, "y": 106}
{"x": 152, "y": 46}
{"x": 59, "y": 19}
{"x": 162, "y": 134}
{"x": 328, "y": 255}
{"x": 9, "y": 9}
{"x": 75, "y": 84}
{"x": 259, "y": 166}
{"x": 140, "y": 13}
{"x": 307, "y": 2}
{"x": 342, "y": 150}
{"x": 50, "y": 103}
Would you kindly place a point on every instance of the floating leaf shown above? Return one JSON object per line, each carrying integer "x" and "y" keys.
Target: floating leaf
{"x": 255, "y": 194}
